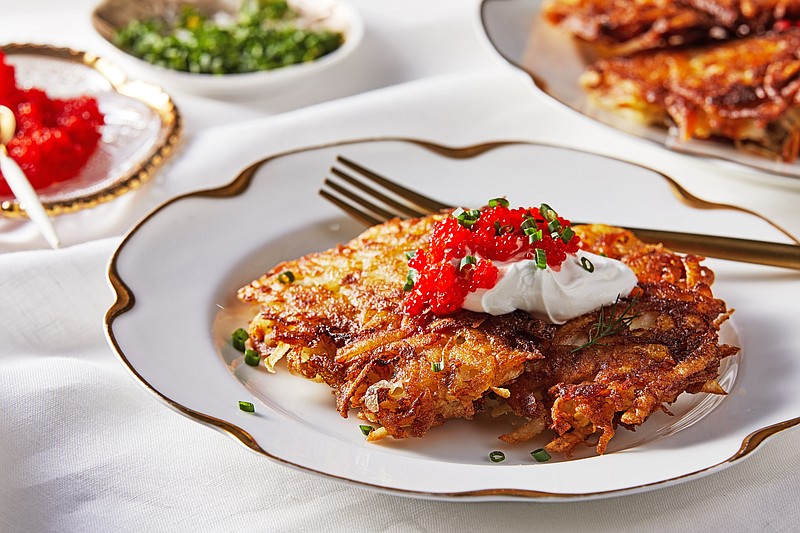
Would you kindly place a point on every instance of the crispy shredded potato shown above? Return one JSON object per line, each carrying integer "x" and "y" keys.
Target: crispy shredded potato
{"x": 343, "y": 322}
{"x": 747, "y": 91}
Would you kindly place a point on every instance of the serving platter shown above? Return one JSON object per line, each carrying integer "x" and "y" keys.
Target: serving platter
{"x": 555, "y": 61}
{"x": 142, "y": 125}
{"x": 175, "y": 276}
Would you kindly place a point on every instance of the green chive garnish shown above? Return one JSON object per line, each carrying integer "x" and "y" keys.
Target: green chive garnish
{"x": 466, "y": 218}
{"x": 238, "y": 338}
{"x": 497, "y": 456}
{"x": 534, "y": 235}
{"x": 540, "y": 455}
{"x": 499, "y": 230}
{"x": 586, "y": 264}
{"x": 502, "y": 202}
{"x": 286, "y": 277}
{"x": 247, "y": 407}
{"x": 251, "y": 357}
{"x": 548, "y": 213}
{"x": 567, "y": 234}
{"x": 410, "y": 279}
{"x": 541, "y": 258}
{"x": 467, "y": 261}
{"x": 437, "y": 366}
{"x": 554, "y": 226}
{"x": 411, "y": 254}
{"x": 365, "y": 429}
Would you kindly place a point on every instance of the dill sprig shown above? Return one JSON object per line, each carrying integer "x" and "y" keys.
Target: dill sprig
{"x": 608, "y": 326}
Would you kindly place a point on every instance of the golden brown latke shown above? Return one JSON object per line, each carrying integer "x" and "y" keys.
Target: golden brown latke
{"x": 746, "y": 90}
{"x": 341, "y": 322}
{"x": 623, "y": 27}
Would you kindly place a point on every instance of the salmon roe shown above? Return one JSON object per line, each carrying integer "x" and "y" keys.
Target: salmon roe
{"x": 54, "y": 138}
{"x": 462, "y": 247}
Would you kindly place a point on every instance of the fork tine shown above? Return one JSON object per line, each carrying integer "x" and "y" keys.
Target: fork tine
{"x": 401, "y": 209}
{"x": 428, "y": 205}
{"x": 351, "y": 210}
{"x": 363, "y": 202}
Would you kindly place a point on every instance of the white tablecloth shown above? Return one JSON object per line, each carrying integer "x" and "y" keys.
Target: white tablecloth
{"x": 85, "y": 448}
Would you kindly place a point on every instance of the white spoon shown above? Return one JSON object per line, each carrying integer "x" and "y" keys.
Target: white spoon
{"x": 18, "y": 182}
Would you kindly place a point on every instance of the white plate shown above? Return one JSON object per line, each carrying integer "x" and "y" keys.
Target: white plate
{"x": 332, "y": 14}
{"x": 176, "y": 273}
{"x": 554, "y": 61}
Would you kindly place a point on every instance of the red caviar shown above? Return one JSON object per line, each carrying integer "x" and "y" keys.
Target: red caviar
{"x": 55, "y": 137}
{"x": 458, "y": 259}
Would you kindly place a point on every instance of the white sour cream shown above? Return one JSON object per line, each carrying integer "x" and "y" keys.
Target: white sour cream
{"x": 555, "y": 296}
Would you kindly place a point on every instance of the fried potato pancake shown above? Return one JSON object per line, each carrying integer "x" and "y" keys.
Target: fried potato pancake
{"x": 622, "y": 27}
{"x": 339, "y": 319}
{"x": 746, "y": 91}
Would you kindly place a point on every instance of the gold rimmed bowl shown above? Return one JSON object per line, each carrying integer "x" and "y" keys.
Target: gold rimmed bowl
{"x": 142, "y": 125}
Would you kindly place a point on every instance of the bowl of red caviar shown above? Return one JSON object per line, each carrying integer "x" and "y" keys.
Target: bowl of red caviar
{"x": 85, "y": 133}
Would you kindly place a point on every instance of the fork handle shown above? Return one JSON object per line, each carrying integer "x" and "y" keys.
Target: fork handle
{"x": 734, "y": 249}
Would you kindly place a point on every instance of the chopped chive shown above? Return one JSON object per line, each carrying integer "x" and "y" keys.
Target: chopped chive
{"x": 541, "y": 258}
{"x": 528, "y": 223}
{"x": 548, "y": 212}
{"x": 466, "y": 218}
{"x": 466, "y": 262}
{"x": 411, "y": 254}
{"x": 502, "y": 202}
{"x": 437, "y": 366}
{"x": 497, "y": 456}
{"x": 365, "y": 429}
{"x": 286, "y": 277}
{"x": 238, "y": 338}
{"x": 554, "y": 226}
{"x": 586, "y": 264}
{"x": 247, "y": 407}
{"x": 499, "y": 230}
{"x": 567, "y": 234}
{"x": 533, "y": 235}
{"x": 540, "y": 455}
{"x": 251, "y": 357}
{"x": 410, "y": 279}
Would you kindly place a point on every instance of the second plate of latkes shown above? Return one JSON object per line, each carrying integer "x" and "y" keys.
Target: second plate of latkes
{"x": 734, "y": 106}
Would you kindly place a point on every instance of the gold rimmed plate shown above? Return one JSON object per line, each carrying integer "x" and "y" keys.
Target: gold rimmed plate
{"x": 142, "y": 125}
{"x": 173, "y": 315}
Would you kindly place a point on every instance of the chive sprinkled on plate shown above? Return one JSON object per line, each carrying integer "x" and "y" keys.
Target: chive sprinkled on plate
{"x": 251, "y": 357}
{"x": 238, "y": 339}
{"x": 247, "y": 407}
{"x": 497, "y": 456}
{"x": 540, "y": 455}
{"x": 365, "y": 429}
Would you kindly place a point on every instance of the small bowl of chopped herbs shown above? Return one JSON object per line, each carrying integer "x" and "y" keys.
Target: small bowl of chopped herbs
{"x": 229, "y": 47}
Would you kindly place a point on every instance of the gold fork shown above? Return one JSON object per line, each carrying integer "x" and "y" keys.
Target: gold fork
{"x": 372, "y": 199}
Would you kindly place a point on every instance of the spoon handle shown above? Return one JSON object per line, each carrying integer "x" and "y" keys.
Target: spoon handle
{"x": 24, "y": 192}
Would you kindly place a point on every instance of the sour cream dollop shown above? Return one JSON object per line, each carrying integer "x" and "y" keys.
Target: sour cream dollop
{"x": 554, "y": 295}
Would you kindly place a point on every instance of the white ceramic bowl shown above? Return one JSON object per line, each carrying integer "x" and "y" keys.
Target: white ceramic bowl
{"x": 333, "y": 14}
